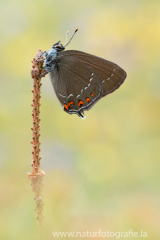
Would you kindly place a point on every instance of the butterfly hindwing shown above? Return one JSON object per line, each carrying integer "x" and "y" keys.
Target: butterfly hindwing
{"x": 76, "y": 84}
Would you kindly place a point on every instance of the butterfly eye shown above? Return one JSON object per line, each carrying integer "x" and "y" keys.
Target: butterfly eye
{"x": 59, "y": 47}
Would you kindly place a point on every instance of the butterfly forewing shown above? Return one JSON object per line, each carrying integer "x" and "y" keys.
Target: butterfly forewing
{"x": 111, "y": 75}
{"x": 76, "y": 84}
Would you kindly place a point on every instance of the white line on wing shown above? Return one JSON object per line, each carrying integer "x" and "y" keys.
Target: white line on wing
{"x": 70, "y": 95}
{"x": 61, "y": 95}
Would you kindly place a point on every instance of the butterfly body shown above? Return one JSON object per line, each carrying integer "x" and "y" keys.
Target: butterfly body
{"x": 80, "y": 79}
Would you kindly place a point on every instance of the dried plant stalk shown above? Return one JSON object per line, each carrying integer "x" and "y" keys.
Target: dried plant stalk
{"x": 37, "y": 174}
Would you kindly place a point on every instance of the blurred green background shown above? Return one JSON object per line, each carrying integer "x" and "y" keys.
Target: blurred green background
{"x": 101, "y": 172}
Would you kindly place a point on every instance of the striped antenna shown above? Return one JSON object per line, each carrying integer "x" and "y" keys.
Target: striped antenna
{"x": 71, "y": 37}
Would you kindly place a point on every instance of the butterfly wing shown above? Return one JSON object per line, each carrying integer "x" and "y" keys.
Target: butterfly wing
{"x": 76, "y": 85}
{"x": 111, "y": 75}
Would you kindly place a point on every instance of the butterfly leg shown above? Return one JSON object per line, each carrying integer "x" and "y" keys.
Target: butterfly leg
{"x": 41, "y": 56}
{"x": 44, "y": 73}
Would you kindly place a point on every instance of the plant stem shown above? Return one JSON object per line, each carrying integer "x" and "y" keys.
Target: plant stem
{"x": 37, "y": 174}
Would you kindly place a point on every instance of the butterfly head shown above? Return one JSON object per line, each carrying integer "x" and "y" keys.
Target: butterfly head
{"x": 58, "y": 47}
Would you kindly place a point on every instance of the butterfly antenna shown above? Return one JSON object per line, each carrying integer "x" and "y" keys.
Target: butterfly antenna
{"x": 71, "y": 37}
{"x": 66, "y": 37}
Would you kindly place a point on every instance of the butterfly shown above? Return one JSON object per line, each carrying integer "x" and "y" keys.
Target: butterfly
{"x": 80, "y": 79}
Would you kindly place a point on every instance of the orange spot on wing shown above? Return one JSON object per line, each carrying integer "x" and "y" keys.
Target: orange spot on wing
{"x": 92, "y": 94}
{"x": 70, "y": 103}
{"x": 94, "y": 91}
{"x": 80, "y": 103}
{"x": 66, "y": 106}
{"x": 87, "y": 99}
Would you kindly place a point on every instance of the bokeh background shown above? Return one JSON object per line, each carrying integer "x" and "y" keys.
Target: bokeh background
{"x": 101, "y": 172}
